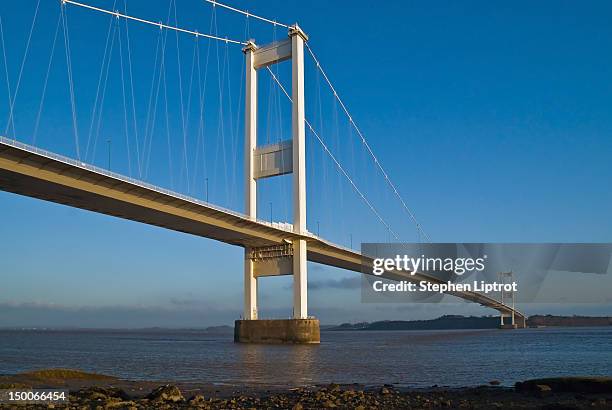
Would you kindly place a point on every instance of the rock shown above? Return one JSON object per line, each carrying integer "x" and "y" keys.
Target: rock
{"x": 96, "y": 396}
{"x": 384, "y": 390}
{"x": 570, "y": 384}
{"x": 334, "y": 387}
{"x": 298, "y": 406}
{"x": 542, "y": 388}
{"x": 7, "y": 386}
{"x": 166, "y": 393}
{"x": 119, "y": 404}
{"x": 329, "y": 404}
{"x": 494, "y": 382}
{"x": 102, "y": 394}
{"x": 197, "y": 399}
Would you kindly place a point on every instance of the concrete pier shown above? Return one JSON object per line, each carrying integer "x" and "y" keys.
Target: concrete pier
{"x": 278, "y": 331}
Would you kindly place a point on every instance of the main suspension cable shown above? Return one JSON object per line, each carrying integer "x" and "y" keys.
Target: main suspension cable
{"x": 246, "y": 13}
{"x": 158, "y": 24}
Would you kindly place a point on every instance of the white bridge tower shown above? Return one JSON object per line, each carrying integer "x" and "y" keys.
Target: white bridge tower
{"x": 288, "y": 156}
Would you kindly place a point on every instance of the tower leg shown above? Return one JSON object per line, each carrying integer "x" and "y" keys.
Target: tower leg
{"x": 300, "y": 275}
{"x": 300, "y": 281}
{"x": 250, "y": 185}
{"x": 250, "y": 288}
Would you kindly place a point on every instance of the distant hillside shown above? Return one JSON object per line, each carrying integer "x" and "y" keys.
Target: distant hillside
{"x": 549, "y": 320}
{"x": 443, "y": 322}
{"x": 472, "y": 322}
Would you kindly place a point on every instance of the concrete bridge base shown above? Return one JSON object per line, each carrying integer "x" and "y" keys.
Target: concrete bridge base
{"x": 277, "y": 331}
{"x": 509, "y": 326}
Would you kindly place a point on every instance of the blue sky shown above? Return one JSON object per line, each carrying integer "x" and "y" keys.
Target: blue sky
{"x": 493, "y": 120}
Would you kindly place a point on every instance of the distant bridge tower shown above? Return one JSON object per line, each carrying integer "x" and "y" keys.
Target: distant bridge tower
{"x": 508, "y": 298}
{"x": 285, "y": 157}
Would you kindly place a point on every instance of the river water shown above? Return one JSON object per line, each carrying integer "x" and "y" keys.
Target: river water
{"x": 408, "y": 358}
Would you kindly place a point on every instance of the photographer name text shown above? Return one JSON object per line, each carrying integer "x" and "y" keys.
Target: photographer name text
{"x": 425, "y": 286}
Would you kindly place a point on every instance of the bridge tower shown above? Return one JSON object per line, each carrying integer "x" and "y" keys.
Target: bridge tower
{"x": 508, "y": 298}
{"x": 267, "y": 161}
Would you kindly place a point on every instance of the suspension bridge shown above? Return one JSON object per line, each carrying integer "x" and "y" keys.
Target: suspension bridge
{"x": 270, "y": 248}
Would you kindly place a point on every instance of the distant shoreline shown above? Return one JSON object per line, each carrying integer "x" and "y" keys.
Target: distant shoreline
{"x": 446, "y": 322}
{"x": 457, "y": 322}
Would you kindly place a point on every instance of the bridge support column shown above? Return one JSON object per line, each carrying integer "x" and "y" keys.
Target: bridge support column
{"x": 250, "y": 288}
{"x": 300, "y": 281}
{"x": 300, "y": 269}
{"x": 250, "y": 183}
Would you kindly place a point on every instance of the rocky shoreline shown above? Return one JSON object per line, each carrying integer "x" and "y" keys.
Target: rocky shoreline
{"x": 110, "y": 393}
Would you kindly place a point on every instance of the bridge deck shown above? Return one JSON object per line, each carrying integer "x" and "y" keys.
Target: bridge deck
{"x": 33, "y": 172}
